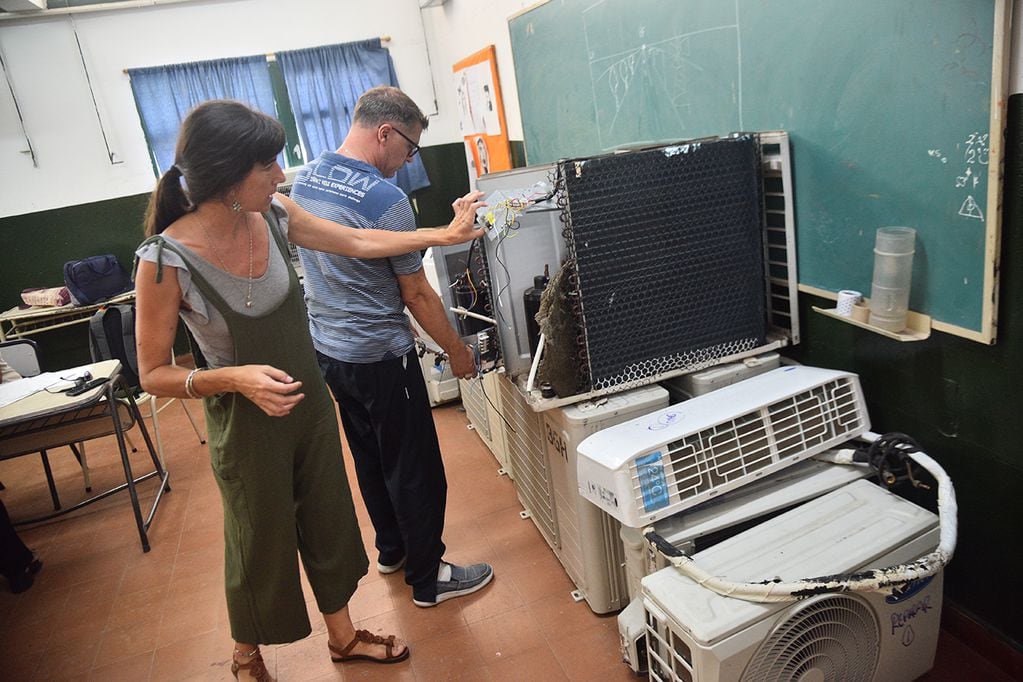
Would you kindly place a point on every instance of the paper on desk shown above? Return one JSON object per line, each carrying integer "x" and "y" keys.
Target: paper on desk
{"x": 14, "y": 391}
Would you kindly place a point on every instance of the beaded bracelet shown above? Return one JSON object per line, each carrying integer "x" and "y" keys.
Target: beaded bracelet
{"x": 188, "y": 383}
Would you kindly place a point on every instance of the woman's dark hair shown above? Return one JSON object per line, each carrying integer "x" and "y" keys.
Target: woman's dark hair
{"x": 219, "y": 143}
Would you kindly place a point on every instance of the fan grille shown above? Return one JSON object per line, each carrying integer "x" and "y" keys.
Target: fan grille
{"x": 721, "y": 457}
{"x": 833, "y": 638}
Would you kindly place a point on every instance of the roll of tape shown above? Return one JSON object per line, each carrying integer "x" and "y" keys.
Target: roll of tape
{"x": 846, "y": 300}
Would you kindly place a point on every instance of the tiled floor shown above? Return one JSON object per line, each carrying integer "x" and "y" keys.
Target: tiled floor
{"x": 103, "y": 610}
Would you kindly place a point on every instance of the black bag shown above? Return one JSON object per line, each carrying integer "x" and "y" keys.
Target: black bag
{"x": 112, "y": 337}
{"x": 95, "y": 279}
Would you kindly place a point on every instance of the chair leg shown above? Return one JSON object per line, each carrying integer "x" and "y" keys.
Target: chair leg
{"x": 49, "y": 480}
{"x": 79, "y": 451}
{"x": 156, "y": 429}
{"x": 191, "y": 420}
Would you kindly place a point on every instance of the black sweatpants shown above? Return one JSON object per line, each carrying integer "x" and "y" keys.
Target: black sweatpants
{"x": 385, "y": 412}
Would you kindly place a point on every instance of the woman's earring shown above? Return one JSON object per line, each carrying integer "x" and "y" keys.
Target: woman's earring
{"x": 236, "y": 207}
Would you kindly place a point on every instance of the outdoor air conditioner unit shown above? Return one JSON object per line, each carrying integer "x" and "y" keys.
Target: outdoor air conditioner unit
{"x": 479, "y": 398}
{"x": 657, "y": 465}
{"x": 694, "y": 633}
{"x": 527, "y": 456}
{"x": 588, "y": 543}
{"x": 289, "y": 180}
{"x": 705, "y": 525}
{"x": 22, "y": 5}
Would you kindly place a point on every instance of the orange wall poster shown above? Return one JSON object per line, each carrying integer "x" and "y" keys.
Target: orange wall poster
{"x": 481, "y": 114}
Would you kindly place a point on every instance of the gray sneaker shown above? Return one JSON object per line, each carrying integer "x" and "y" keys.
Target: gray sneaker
{"x": 464, "y": 580}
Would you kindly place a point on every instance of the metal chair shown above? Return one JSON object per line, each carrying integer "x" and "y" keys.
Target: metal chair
{"x": 22, "y": 355}
{"x": 102, "y": 349}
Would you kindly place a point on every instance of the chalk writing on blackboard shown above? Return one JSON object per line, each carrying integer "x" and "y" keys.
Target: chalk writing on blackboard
{"x": 970, "y": 209}
{"x": 976, "y": 153}
{"x": 646, "y": 80}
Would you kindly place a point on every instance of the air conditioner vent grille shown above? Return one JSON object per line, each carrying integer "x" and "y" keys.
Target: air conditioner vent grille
{"x": 722, "y": 455}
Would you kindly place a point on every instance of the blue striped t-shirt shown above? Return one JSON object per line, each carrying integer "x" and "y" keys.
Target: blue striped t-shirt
{"x": 356, "y": 313}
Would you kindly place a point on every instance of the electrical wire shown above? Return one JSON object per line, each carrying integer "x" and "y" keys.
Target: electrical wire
{"x": 886, "y": 454}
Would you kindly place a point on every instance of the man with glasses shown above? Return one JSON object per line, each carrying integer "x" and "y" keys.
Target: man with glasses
{"x": 366, "y": 350}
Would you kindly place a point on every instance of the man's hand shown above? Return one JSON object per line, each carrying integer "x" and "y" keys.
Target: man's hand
{"x": 463, "y": 362}
{"x": 463, "y": 228}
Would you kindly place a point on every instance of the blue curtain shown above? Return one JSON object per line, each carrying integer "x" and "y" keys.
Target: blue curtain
{"x": 324, "y": 83}
{"x": 165, "y": 94}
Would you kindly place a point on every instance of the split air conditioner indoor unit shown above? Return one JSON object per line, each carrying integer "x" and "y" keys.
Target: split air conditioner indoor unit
{"x": 655, "y": 466}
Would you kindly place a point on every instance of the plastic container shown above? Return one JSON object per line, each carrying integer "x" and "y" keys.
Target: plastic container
{"x": 893, "y": 270}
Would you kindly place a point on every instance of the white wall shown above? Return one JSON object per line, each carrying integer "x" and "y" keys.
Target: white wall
{"x": 48, "y": 78}
{"x": 458, "y": 29}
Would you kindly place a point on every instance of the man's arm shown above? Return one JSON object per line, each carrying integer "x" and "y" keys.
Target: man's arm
{"x": 313, "y": 232}
{"x": 426, "y": 306}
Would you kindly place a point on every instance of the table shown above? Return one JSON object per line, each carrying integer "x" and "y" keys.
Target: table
{"x": 46, "y": 420}
{"x": 18, "y": 322}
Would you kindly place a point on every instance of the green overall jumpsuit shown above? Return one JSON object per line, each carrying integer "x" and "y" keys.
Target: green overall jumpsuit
{"x": 282, "y": 479}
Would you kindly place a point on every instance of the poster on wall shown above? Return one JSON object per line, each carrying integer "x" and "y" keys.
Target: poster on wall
{"x": 481, "y": 114}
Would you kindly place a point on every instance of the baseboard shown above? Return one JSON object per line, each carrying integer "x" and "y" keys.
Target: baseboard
{"x": 989, "y": 645}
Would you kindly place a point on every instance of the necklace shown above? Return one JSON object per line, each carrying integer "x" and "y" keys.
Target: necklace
{"x": 213, "y": 247}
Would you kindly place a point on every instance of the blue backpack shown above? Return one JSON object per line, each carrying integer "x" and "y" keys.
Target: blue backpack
{"x": 95, "y": 279}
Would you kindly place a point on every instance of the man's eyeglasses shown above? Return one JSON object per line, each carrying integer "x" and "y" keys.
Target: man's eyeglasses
{"x": 415, "y": 147}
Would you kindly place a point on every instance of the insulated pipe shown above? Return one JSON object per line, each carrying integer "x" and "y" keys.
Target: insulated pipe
{"x": 873, "y": 580}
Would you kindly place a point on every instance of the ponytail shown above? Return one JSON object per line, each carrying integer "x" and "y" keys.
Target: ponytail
{"x": 167, "y": 203}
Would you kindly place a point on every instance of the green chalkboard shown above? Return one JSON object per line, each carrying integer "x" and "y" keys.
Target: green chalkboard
{"x": 888, "y": 104}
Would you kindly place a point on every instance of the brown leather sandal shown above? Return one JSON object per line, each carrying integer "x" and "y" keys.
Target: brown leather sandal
{"x": 255, "y": 667}
{"x": 342, "y": 655}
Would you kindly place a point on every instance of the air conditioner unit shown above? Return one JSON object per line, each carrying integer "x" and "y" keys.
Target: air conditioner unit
{"x": 698, "y": 383}
{"x": 289, "y": 180}
{"x": 22, "y": 5}
{"x": 705, "y": 525}
{"x": 480, "y": 400}
{"x": 696, "y": 634}
{"x": 655, "y": 466}
{"x": 577, "y": 211}
{"x": 530, "y": 469}
{"x": 588, "y": 544}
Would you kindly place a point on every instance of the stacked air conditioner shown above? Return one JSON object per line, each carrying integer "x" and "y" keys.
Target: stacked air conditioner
{"x": 588, "y": 543}
{"x": 721, "y": 463}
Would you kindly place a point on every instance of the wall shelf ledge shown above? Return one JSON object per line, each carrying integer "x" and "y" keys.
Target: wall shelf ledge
{"x": 918, "y": 325}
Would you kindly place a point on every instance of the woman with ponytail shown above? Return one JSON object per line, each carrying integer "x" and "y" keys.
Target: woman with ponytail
{"x": 217, "y": 257}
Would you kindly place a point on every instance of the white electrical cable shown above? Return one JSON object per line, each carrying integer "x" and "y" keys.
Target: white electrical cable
{"x": 872, "y": 580}
{"x": 536, "y": 363}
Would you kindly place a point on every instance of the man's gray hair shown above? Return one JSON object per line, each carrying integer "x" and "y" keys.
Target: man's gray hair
{"x": 386, "y": 104}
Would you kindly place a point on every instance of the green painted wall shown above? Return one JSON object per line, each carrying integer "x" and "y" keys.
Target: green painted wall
{"x": 963, "y": 402}
{"x": 36, "y": 246}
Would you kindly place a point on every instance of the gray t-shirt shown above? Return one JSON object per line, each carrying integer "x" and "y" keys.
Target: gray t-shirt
{"x": 204, "y": 321}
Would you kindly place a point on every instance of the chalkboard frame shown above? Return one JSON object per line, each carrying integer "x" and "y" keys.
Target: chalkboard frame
{"x": 986, "y": 330}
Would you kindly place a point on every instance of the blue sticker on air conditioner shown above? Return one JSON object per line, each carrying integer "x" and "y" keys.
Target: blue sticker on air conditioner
{"x": 903, "y": 592}
{"x": 652, "y": 482}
